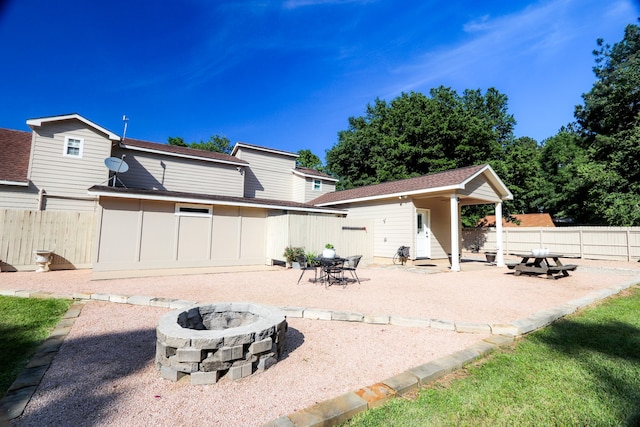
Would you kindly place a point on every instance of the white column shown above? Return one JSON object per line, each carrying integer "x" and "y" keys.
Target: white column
{"x": 455, "y": 234}
{"x": 499, "y": 251}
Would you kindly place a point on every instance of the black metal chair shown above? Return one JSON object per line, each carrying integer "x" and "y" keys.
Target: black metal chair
{"x": 305, "y": 266}
{"x": 351, "y": 264}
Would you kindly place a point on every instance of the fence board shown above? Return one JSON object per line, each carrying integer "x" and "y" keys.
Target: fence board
{"x": 69, "y": 234}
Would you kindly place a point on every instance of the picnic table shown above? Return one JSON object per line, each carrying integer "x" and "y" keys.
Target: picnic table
{"x": 541, "y": 264}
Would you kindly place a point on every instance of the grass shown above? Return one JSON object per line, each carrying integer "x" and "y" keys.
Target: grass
{"x": 583, "y": 370}
{"x": 24, "y": 324}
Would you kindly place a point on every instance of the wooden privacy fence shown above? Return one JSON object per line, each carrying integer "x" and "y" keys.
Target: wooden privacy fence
{"x": 70, "y": 235}
{"x": 606, "y": 243}
{"x": 311, "y": 232}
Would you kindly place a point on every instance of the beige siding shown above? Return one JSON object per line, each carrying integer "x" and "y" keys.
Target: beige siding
{"x": 139, "y": 235}
{"x": 14, "y": 197}
{"x": 154, "y": 171}
{"x": 70, "y": 235}
{"x": 393, "y": 224}
{"x": 66, "y": 179}
{"x": 269, "y": 175}
{"x": 313, "y": 232}
{"x": 299, "y": 186}
{"x": 479, "y": 188}
{"x": 310, "y": 193}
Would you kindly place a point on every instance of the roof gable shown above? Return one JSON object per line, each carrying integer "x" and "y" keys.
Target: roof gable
{"x": 259, "y": 148}
{"x": 15, "y": 148}
{"x": 441, "y": 181}
{"x": 312, "y": 173}
{"x": 37, "y": 122}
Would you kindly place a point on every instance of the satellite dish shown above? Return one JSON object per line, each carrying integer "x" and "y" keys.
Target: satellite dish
{"x": 116, "y": 164}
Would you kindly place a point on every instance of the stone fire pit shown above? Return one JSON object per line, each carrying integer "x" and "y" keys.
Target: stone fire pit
{"x": 215, "y": 340}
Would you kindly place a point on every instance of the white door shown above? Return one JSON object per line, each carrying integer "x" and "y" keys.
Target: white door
{"x": 423, "y": 233}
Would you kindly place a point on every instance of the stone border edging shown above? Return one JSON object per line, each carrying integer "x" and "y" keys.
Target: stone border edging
{"x": 20, "y": 392}
{"x": 340, "y": 409}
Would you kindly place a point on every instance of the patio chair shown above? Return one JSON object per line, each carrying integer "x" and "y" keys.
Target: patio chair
{"x": 304, "y": 266}
{"x": 351, "y": 264}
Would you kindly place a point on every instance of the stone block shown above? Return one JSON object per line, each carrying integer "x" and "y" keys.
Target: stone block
{"x": 100, "y": 297}
{"x": 240, "y": 371}
{"x": 504, "y": 329}
{"x": 428, "y": 372}
{"x": 188, "y": 354}
{"x": 261, "y": 346}
{"x": 203, "y": 378}
{"x": 330, "y": 412}
{"x": 482, "y": 347}
{"x": 7, "y": 292}
{"x": 472, "y": 328}
{"x": 265, "y": 363}
{"x": 207, "y": 343}
{"x": 210, "y": 365}
{"x": 15, "y": 402}
{"x": 81, "y": 295}
{"x": 226, "y": 354}
{"x": 466, "y": 356}
{"x": 121, "y": 299}
{"x": 443, "y": 324}
{"x": 178, "y": 304}
{"x": 160, "y": 302}
{"x": 170, "y": 373}
{"x": 41, "y": 295}
{"x": 402, "y": 383}
{"x": 375, "y": 395}
{"x": 238, "y": 339}
{"x": 139, "y": 300}
{"x": 346, "y": 316}
{"x": 376, "y": 319}
{"x": 500, "y": 340}
{"x": 297, "y": 312}
{"x": 412, "y": 322}
{"x": 23, "y": 293}
{"x": 186, "y": 367}
{"x": 317, "y": 314}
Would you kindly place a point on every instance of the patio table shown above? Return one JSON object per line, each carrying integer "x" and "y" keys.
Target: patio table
{"x": 332, "y": 271}
{"x": 540, "y": 264}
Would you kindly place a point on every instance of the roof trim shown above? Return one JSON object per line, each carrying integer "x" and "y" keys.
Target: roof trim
{"x": 206, "y": 200}
{"x": 326, "y": 178}
{"x": 394, "y": 195}
{"x": 259, "y": 148}
{"x": 37, "y": 122}
{"x": 15, "y": 183}
{"x": 124, "y": 145}
{"x": 495, "y": 180}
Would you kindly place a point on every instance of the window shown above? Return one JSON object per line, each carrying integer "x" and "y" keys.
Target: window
{"x": 317, "y": 185}
{"x": 73, "y": 147}
{"x": 184, "y": 209}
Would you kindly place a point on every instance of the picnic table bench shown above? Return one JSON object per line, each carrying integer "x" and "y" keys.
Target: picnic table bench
{"x": 539, "y": 264}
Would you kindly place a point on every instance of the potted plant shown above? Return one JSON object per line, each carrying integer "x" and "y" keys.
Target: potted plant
{"x": 291, "y": 254}
{"x": 312, "y": 258}
{"x": 328, "y": 251}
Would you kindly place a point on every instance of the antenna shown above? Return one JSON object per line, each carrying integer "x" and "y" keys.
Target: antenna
{"x": 125, "y": 119}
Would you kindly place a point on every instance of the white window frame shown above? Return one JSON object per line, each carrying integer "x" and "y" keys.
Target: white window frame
{"x": 193, "y": 209}
{"x": 313, "y": 184}
{"x": 67, "y": 144}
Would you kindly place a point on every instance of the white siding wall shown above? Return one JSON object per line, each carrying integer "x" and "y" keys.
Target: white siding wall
{"x": 392, "y": 225}
{"x": 154, "y": 171}
{"x": 269, "y": 175}
{"x": 66, "y": 179}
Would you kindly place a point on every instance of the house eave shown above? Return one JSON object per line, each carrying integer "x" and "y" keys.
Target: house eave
{"x": 14, "y": 183}
{"x": 206, "y": 200}
{"x": 265, "y": 149}
{"x": 124, "y": 145}
{"x": 394, "y": 195}
{"x": 305, "y": 175}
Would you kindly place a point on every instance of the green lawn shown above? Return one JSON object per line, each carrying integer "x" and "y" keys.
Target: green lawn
{"x": 583, "y": 370}
{"x": 24, "y": 324}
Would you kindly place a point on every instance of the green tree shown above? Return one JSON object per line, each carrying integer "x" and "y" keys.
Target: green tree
{"x": 414, "y": 135}
{"x": 306, "y": 159}
{"x": 523, "y": 176}
{"x": 610, "y": 122}
{"x": 216, "y": 143}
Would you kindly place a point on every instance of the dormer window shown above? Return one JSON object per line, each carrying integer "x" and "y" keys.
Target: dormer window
{"x": 73, "y": 147}
{"x": 317, "y": 185}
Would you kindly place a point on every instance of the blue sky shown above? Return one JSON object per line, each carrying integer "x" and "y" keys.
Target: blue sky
{"x": 288, "y": 74}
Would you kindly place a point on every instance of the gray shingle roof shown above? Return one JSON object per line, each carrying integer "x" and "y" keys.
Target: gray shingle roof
{"x": 183, "y": 151}
{"x": 425, "y": 182}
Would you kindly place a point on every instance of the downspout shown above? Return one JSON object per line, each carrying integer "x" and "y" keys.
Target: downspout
{"x": 499, "y": 252}
{"x": 41, "y": 194}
